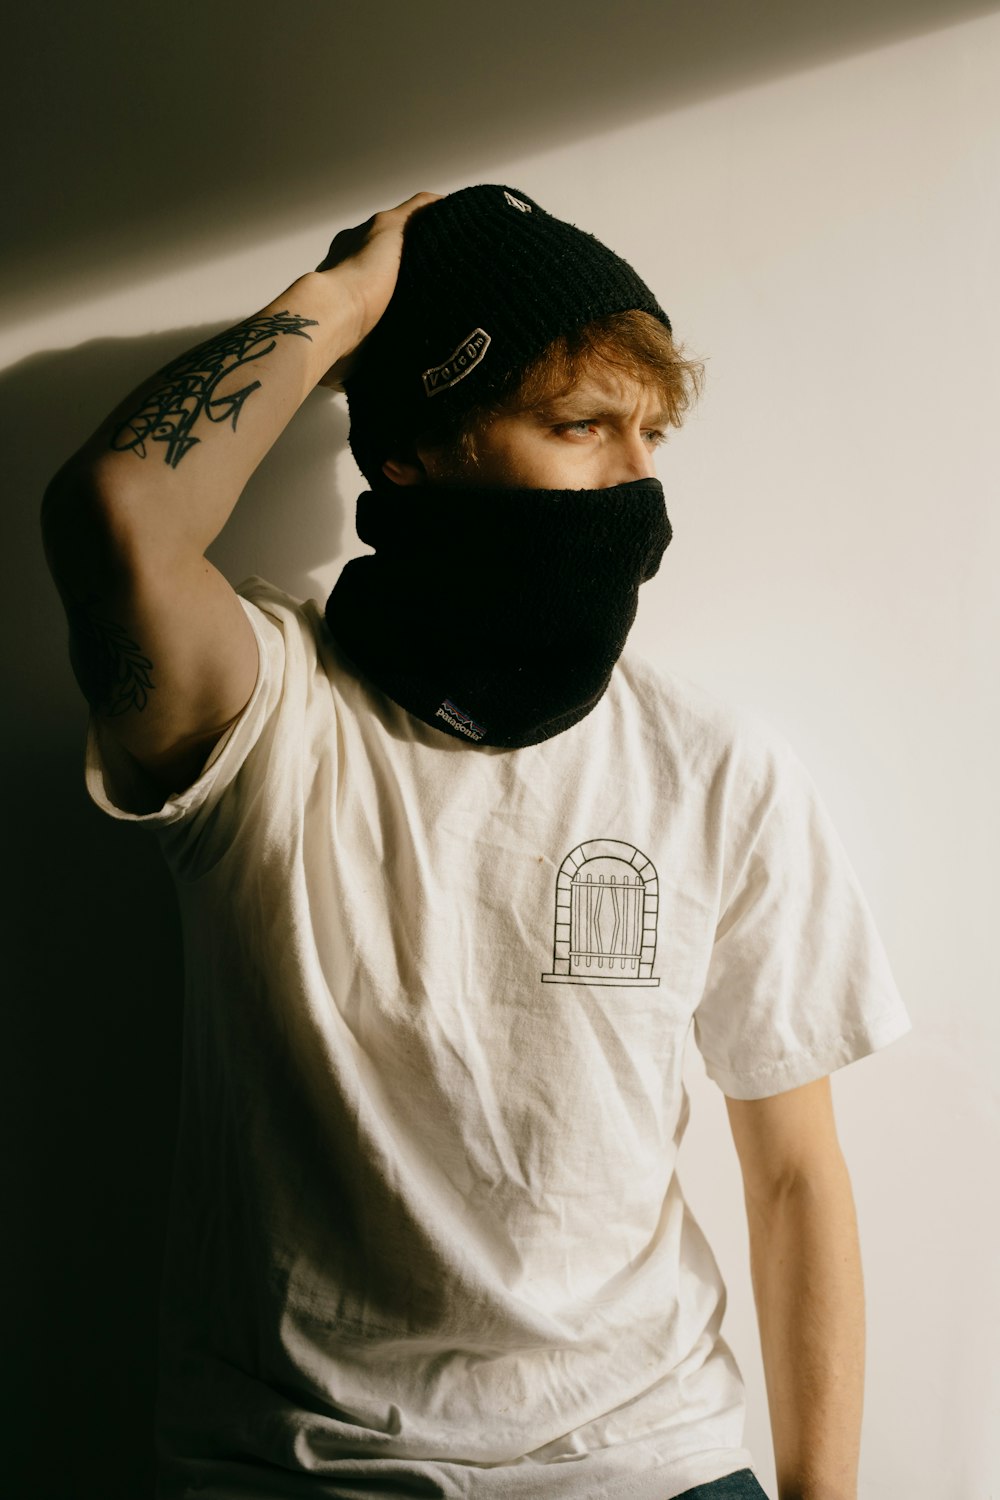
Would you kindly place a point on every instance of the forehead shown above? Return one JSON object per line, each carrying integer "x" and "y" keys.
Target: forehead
{"x": 607, "y": 392}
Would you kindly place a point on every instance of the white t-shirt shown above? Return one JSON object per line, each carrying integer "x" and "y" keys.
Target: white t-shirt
{"x": 426, "y": 1234}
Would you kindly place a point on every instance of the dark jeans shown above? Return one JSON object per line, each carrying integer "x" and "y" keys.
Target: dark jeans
{"x": 739, "y": 1486}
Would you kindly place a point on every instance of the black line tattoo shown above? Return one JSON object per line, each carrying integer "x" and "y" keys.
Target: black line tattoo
{"x": 110, "y": 667}
{"x": 170, "y": 410}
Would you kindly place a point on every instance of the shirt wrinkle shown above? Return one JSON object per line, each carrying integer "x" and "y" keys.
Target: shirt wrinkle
{"x": 427, "y": 1230}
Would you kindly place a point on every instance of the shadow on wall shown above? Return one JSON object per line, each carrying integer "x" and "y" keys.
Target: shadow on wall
{"x": 148, "y": 138}
{"x": 92, "y": 955}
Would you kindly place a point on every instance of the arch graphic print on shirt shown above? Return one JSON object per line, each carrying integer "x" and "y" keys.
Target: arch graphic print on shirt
{"x": 607, "y": 897}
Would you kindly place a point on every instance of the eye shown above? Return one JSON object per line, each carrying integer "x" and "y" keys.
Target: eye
{"x": 655, "y": 437}
{"x": 582, "y": 427}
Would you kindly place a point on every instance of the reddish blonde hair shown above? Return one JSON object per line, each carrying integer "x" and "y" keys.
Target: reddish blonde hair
{"x": 634, "y": 345}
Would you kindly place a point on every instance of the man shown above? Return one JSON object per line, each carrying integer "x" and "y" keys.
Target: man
{"x": 457, "y": 876}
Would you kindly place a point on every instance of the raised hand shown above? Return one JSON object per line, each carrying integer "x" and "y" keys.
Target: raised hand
{"x": 364, "y": 262}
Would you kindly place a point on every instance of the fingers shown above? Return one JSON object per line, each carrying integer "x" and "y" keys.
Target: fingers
{"x": 402, "y": 211}
{"x": 349, "y": 242}
{"x": 369, "y": 255}
{"x": 417, "y": 201}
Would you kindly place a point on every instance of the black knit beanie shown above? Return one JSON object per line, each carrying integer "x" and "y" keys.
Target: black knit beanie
{"x": 487, "y": 281}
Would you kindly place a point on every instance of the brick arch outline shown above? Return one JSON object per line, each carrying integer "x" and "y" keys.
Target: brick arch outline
{"x": 583, "y": 853}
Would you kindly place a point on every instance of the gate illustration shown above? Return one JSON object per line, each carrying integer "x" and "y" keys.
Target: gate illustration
{"x": 606, "y": 905}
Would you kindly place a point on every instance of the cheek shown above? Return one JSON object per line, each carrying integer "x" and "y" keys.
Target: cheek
{"x": 530, "y": 457}
{"x": 518, "y": 458}
{"x": 545, "y": 466}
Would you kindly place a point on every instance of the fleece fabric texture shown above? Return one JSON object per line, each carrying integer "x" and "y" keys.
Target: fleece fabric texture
{"x": 486, "y": 281}
{"x": 497, "y": 615}
{"x": 427, "y": 1235}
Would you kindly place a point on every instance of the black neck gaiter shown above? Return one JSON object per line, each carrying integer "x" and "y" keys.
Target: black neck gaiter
{"x": 497, "y": 615}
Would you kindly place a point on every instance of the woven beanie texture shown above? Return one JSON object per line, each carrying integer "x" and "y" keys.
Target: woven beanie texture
{"x": 487, "y": 281}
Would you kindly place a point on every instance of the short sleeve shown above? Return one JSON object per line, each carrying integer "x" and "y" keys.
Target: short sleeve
{"x": 798, "y": 983}
{"x": 115, "y": 784}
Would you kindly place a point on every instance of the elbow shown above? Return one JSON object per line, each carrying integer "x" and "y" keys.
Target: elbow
{"x": 71, "y": 493}
{"x": 83, "y": 533}
{"x": 55, "y": 499}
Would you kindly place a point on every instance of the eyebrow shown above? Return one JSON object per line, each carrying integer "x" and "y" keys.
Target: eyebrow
{"x": 565, "y": 408}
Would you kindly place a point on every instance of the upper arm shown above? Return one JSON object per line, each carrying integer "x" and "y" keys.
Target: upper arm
{"x": 160, "y": 644}
{"x": 785, "y": 1137}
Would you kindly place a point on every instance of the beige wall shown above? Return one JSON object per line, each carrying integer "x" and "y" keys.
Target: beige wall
{"x": 829, "y": 240}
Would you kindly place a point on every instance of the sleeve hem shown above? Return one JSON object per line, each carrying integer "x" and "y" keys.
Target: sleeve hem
{"x": 178, "y": 804}
{"x": 807, "y": 1067}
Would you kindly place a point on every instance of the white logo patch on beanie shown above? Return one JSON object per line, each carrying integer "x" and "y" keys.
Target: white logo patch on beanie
{"x": 464, "y": 360}
{"x": 516, "y": 202}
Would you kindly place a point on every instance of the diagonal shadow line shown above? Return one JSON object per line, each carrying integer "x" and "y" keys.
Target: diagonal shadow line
{"x": 143, "y": 143}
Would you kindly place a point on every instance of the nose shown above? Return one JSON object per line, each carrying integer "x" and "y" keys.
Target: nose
{"x": 632, "y": 458}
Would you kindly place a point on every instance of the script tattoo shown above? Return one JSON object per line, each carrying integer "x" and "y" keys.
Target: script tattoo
{"x": 110, "y": 667}
{"x": 170, "y": 410}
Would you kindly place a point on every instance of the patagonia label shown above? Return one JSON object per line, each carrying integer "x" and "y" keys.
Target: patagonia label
{"x": 464, "y": 360}
{"x": 460, "y": 721}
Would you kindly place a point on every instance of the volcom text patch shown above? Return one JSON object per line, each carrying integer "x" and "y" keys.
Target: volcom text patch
{"x": 465, "y": 358}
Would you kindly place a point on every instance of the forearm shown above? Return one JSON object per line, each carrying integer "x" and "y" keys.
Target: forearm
{"x": 160, "y": 643}
{"x": 165, "y": 469}
{"x": 808, "y": 1286}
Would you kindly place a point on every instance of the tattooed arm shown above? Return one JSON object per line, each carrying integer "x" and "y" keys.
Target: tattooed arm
{"x": 158, "y": 640}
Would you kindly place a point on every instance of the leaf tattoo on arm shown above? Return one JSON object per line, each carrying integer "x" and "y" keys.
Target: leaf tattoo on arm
{"x": 110, "y": 667}
{"x": 170, "y": 410}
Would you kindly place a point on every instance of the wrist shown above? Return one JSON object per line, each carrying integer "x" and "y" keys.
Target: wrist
{"x": 332, "y": 316}
{"x": 342, "y": 295}
{"x": 338, "y": 295}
